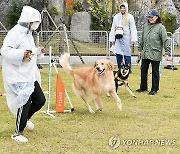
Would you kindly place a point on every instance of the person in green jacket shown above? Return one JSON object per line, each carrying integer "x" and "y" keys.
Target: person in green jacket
{"x": 154, "y": 38}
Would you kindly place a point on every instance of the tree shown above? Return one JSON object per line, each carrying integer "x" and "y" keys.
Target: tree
{"x": 101, "y": 11}
{"x": 169, "y": 21}
{"x": 14, "y": 12}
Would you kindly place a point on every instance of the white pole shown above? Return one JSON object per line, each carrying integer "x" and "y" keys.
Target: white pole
{"x": 55, "y": 67}
{"x": 2, "y": 94}
{"x": 49, "y": 85}
{"x": 172, "y": 52}
{"x": 67, "y": 43}
{"x": 49, "y": 79}
{"x": 3, "y": 27}
{"x": 72, "y": 108}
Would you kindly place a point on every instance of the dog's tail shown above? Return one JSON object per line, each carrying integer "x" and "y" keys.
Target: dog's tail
{"x": 65, "y": 63}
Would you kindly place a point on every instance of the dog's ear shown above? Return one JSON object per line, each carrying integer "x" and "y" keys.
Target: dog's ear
{"x": 110, "y": 65}
{"x": 95, "y": 64}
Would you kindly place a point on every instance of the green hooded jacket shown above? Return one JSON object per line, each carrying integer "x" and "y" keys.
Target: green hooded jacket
{"x": 154, "y": 38}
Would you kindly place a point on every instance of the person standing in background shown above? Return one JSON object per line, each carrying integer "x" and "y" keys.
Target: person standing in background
{"x": 123, "y": 33}
{"x": 154, "y": 38}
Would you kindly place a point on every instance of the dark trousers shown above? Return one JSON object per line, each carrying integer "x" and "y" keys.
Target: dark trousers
{"x": 119, "y": 59}
{"x": 35, "y": 103}
{"x": 144, "y": 74}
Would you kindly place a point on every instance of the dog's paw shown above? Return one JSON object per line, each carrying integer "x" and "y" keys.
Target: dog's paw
{"x": 108, "y": 94}
{"x": 120, "y": 107}
{"x": 134, "y": 96}
{"x": 91, "y": 111}
{"x": 99, "y": 109}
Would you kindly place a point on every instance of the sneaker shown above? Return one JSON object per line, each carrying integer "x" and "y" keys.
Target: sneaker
{"x": 140, "y": 90}
{"x": 29, "y": 125}
{"x": 19, "y": 138}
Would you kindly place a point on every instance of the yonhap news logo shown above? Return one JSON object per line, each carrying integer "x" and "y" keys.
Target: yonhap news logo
{"x": 115, "y": 142}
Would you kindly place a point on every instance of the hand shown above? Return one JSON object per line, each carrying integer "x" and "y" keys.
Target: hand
{"x": 42, "y": 49}
{"x": 132, "y": 43}
{"x": 139, "y": 57}
{"x": 166, "y": 57}
{"x": 113, "y": 43}
{"x": 27, "y": 54}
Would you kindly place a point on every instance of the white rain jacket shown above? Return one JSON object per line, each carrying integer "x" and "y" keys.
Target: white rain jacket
{"x": 19, "y": 75}
{"x": 122, "y": 46}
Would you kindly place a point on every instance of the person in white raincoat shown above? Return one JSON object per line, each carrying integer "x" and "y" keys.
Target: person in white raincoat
{"x": 123, "y": 25}
{"x": 20, "y": 73}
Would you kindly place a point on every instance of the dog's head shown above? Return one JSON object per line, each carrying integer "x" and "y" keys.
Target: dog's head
{"x": 124, "y": 71}
{"x": 103, "y": 65}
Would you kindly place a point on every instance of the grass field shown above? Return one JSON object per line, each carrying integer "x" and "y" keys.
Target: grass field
{"x": 155, "y": 118}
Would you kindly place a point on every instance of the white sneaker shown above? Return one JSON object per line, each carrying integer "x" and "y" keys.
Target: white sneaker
{"x": 29, "y": 125}
{"x": 19, "y": 138}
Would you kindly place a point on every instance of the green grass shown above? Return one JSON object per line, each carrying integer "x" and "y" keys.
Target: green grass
{"x": 82, "y": 47}
{"x": 144, "y": 118}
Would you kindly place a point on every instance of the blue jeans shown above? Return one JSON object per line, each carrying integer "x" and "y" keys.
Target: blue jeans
{"x": 119, "y": 59}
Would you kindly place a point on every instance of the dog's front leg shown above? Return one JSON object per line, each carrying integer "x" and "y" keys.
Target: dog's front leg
{"x": 97, "y": 101}
{"x": 89, "y": 107}
{"x": 116, "y": 97}
{"x": 84, "y": 97}
{"x": 128, "y": 89}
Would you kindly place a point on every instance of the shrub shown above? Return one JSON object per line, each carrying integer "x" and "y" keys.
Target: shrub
{"x": 76, "y": 7}
{"x": 101, "y": 12}
{"x": 100, "y": 18}
{"x": 169, "y": 21}
{"x": 14, "y": 12}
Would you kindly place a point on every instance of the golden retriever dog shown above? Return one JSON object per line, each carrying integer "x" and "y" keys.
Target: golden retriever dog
{"x": 96, "y": 80}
